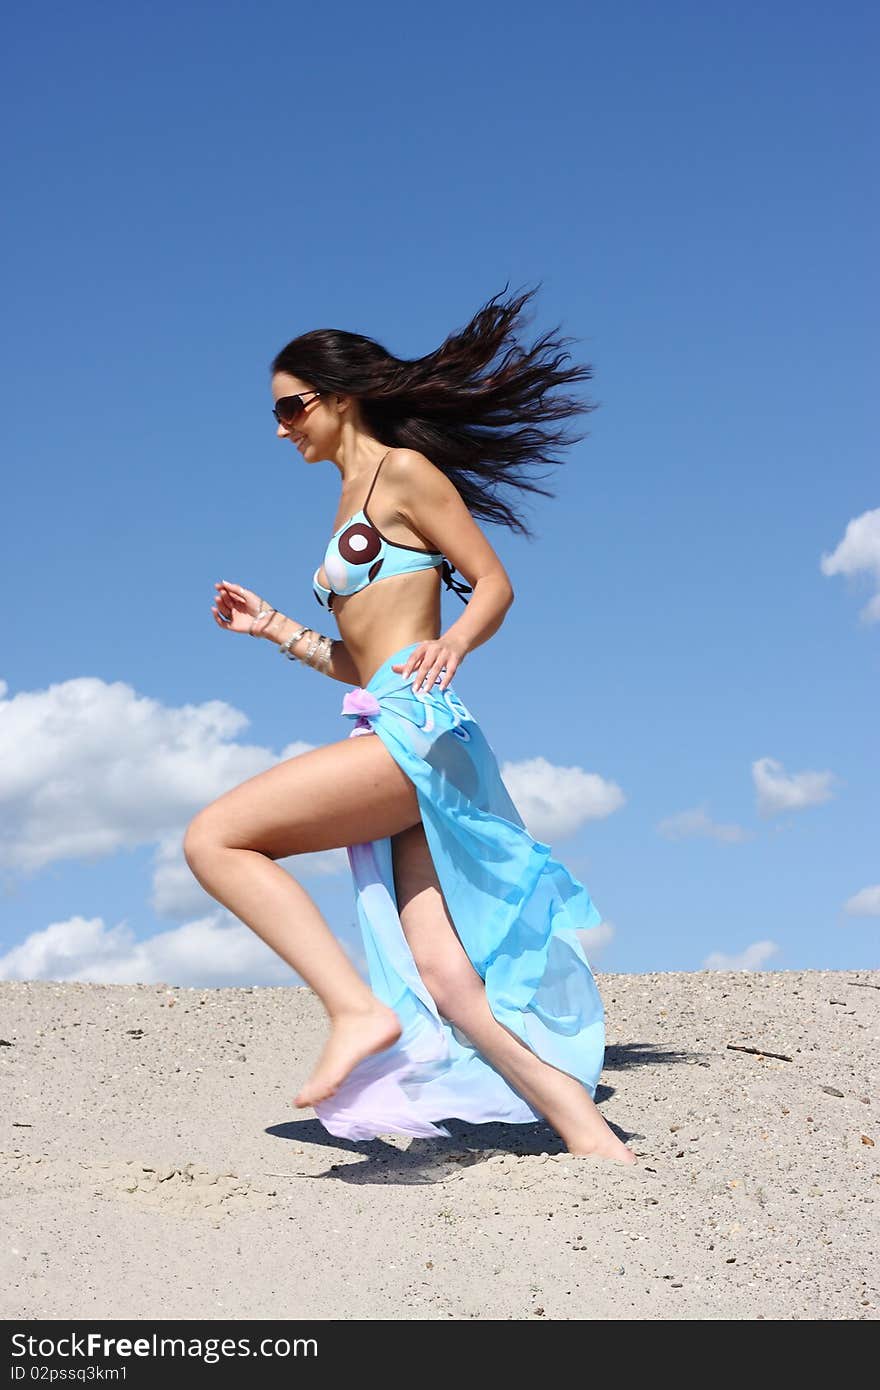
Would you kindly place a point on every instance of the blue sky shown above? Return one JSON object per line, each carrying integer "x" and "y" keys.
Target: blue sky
{"x": 690, "y": 668}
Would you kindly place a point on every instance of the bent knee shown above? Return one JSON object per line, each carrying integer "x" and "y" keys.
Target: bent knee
{"x": 201, "y": 839}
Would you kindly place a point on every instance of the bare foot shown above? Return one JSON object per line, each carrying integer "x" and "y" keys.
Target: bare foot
{"x": 352, "y": 1037}
{"x": 610, "y": 1147}
{"x": 598, "y": 1140}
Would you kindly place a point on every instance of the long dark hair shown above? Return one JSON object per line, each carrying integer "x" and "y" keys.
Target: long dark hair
{"x": 475, "y": 422}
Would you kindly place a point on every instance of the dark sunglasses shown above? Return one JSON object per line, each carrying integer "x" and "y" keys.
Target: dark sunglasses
{"x": 289, "y": 407}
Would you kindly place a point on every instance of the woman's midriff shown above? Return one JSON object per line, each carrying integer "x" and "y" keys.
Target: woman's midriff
{"x": 387, "y": 615}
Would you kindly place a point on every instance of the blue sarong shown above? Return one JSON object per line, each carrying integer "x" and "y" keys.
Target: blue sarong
{"x": 517, "y": 912}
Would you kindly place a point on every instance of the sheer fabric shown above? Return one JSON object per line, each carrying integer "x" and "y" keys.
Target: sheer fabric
{"x": 516, "y": 909}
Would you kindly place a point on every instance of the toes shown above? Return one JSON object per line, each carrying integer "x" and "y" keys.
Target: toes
{"x": 317, "y": 1093}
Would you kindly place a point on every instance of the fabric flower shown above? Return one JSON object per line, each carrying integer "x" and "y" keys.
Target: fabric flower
{"x": 360, "y": 705}
{"x": 359, "y": 701}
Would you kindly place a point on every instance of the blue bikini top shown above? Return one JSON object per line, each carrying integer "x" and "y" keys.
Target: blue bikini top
{"x": 358, "y": 554}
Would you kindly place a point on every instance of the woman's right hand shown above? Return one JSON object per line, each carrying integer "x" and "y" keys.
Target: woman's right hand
{"x": 236, "y": 608}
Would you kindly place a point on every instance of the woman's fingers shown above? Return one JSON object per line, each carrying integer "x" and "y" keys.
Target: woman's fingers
{"x": 230, "y": 595}
{"x": 412, "y": 661}
{"x": 450, "y": 672}
{"x": 426, "y": 675}
{"x": 234, "y": 605}
{"x": 228, "y": 601}
{"x": 426, "y": 667}
{"x": 427, "y": 681}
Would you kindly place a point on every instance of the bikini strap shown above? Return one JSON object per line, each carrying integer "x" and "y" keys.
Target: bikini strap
{"x": 456, "y": 586}
{"x": 375, "y": 476}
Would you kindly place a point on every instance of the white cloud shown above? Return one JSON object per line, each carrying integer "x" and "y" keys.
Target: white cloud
{"x": 752, "y": 958}
{"x": 859, "y": 552}
{"x": 780, "y": 791}
{"x": 865, "y": 903}
{"x": 595, "y": 939}
{"x": 88, "y": 768}
{"x": 202, "y": 953}
{"x": 698, "y": 822}
{"x": 556, "y": 801}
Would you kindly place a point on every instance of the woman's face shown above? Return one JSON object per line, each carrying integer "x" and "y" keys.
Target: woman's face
{"x": 316, "y": 430}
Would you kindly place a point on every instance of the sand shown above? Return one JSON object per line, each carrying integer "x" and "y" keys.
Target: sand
{"x": 153, "y": 1165}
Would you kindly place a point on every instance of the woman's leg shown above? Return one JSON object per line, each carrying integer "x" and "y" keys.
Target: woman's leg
{"x": 460, "y": 997}
{"x": 328, "y": 798}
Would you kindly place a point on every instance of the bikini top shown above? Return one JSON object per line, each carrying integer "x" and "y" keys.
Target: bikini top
{"x": 358, "y": 554}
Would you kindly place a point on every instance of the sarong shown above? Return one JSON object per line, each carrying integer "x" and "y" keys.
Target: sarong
{"x": 516, "y": 909}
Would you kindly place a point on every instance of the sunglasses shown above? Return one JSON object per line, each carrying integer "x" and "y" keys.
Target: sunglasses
{"x": 289, "y": 407}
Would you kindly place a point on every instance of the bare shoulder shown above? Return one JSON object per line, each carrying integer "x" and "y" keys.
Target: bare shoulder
{"x": 420, "y": 486}
{"x": 430, "y": 503}
{"x": 412, "y": 469}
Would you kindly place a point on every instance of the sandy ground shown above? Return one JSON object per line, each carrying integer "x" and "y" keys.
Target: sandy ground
{"x": 153, "y": 1165}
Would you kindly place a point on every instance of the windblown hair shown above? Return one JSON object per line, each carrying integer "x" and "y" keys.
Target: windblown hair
{"x": 476, "y": 422}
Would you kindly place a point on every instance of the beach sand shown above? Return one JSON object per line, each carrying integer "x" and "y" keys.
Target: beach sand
{"x": 154, "y": 1166}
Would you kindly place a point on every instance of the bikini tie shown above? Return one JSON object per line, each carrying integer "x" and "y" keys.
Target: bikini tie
{"x": 457, "y": 586}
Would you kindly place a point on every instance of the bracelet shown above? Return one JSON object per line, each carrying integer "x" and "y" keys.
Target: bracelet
{"x": 285, "y": 648}
{"x": 320, "y": 644}
{"x": 265, "y": 608}
{"x": 320, "y": 649}
{"x": 275, "y": 614}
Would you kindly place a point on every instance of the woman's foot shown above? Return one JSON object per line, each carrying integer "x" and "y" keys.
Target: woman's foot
{"x": 606, "y": 1147}
{"x": 596, "y": 1139}
{"x": 352, "y": 1038}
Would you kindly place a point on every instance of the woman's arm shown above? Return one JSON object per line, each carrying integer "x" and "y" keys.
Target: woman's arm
{"x": 340, "y": 666}
{"x": 432, "y": 505}
{"x": 485, "y": 611}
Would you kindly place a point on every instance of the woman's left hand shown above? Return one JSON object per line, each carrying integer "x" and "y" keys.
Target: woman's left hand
{"x": 428, "y": 659}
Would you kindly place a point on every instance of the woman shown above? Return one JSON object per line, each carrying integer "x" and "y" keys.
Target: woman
{"x": 483, "y": 1005}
